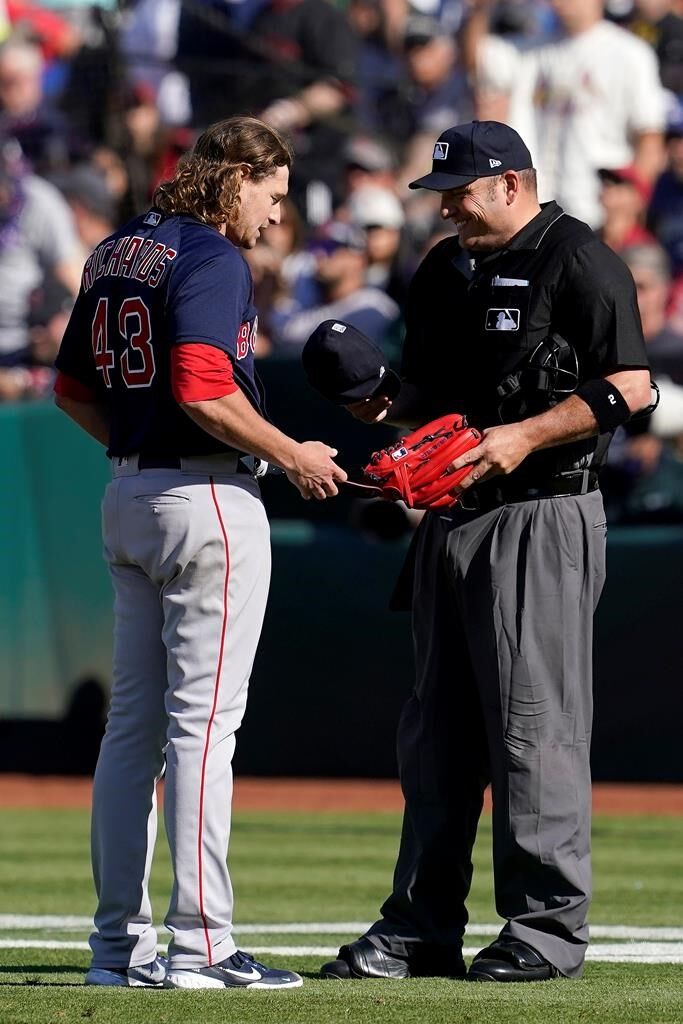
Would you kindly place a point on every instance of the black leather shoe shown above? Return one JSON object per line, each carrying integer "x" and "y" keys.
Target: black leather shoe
{"x": 361, "y": 959}
{"x": 510, "y": 960}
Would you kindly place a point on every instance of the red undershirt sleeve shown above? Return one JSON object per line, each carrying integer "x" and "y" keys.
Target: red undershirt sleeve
{"x": 69, "y": 387}
{"x": 200, "y": 373}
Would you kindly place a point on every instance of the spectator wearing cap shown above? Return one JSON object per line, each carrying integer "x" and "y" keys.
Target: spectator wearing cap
{"x": 368, "y": 161}
{"x": 379, "y": 213}
{"x": 624, "y": 196}
{"x": 340, "y": 251}
{"x": 93, "y": 206}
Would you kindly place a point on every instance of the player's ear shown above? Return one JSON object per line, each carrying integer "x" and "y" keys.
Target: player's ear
{"x": 245, "y": 171}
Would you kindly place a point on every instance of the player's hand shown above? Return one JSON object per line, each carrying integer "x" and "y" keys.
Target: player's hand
{"x": 314, "y": 472}
{"x": 370, "y": 410}
{"x": 501, "y": 451}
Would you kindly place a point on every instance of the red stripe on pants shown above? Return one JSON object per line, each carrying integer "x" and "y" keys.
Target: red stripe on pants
{"x": 200, "y": 854}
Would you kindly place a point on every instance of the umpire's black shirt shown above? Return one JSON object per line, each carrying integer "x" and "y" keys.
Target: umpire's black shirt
{"x": 464, "y": 335}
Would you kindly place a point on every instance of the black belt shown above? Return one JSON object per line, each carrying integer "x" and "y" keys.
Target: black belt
{"x": 158, "y": 461}
{"x": 497, "y": 493}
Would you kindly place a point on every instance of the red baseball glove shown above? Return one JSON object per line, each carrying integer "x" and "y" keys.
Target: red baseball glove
{"x": 416, "y": 469}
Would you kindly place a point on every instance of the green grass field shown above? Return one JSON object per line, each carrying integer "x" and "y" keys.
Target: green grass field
{"x": 291, "y": 868}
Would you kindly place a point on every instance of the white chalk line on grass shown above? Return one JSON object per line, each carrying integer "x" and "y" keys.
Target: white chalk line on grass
{"x": 632, "y": 952}
{"x": 60, "y": 923}
{"x": 26, "y": 922}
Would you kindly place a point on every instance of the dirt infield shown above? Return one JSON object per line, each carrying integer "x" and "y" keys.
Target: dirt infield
{"x": 313, "y": 795}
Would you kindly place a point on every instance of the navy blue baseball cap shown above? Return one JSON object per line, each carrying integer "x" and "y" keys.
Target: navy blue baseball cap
{"x": 345, "y": 366}
{"x": 478, "y": 149}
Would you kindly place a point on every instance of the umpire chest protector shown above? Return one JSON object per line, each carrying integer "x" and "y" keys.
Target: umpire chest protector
{"x": 513, "y": 304}
{"x": 473, "y": 325}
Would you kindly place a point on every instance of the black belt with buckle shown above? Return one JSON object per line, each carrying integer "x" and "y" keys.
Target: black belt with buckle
{"x": 497, "y": 493}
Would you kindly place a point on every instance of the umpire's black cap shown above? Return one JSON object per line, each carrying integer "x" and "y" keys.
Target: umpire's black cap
{"x": 478, "y": 149}
{"x": 345, "y": 366}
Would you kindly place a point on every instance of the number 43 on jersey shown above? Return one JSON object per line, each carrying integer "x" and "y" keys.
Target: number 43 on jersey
{"x": 137, "y": 363}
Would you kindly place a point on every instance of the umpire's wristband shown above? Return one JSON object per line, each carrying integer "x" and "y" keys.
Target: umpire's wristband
{"x": 606, "y": 402}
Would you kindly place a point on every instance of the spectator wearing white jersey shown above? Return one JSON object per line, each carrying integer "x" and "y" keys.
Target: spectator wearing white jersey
{"x": 587, "y": 97}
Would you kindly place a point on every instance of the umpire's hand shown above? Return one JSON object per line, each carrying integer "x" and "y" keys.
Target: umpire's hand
{"x": 501, "y": 451}
{"x": 370, "y": 410}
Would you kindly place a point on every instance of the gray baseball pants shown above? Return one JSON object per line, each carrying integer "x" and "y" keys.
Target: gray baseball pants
{"x": 503, "y": 609}
{"x": 189, "y": 556}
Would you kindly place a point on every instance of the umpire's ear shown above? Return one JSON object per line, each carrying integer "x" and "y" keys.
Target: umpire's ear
{"x": 513, "y": 186}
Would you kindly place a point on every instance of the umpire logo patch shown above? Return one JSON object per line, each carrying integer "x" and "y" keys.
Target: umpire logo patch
{"x": 502, "y": 319}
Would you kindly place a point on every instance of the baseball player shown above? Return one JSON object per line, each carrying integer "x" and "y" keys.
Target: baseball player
{"x": 157, "y": 363}
{"x": 504, "y": 586}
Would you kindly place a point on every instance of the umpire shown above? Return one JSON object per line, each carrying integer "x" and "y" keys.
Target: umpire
{"x": 505, "y": 585}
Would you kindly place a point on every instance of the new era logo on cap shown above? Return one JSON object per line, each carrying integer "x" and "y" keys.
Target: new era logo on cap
{"x": 474, "y": 150}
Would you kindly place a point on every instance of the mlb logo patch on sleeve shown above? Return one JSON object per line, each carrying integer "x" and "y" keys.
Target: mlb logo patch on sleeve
{"x": 502, "y": 319}
{"x": 153, "y": 219}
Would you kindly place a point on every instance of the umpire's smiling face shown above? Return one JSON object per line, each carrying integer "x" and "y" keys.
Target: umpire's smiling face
{"x": 481, "y": 211}
{"x": 259, "y": 206}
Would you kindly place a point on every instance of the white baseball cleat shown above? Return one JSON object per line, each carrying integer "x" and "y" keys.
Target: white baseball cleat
{"x": 150, "y": 975}
{"x": 239, "y": 971}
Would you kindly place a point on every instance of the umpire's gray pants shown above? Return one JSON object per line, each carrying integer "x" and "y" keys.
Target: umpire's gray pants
{"x": 503, "y": 609}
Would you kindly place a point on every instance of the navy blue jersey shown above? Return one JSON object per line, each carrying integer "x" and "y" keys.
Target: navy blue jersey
{"x": 159, "y": 281}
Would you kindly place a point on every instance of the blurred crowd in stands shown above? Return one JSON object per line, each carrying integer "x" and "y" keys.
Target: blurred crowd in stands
{"x": 99, "y": 99}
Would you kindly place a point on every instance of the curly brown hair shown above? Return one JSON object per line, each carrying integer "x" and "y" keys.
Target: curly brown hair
{"x": 207, "y": 180}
